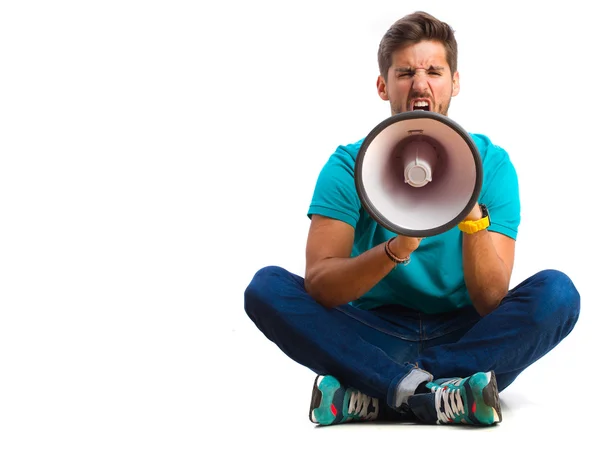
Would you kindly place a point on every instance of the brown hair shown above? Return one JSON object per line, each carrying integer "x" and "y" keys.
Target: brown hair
{"x": 411, "y": 29}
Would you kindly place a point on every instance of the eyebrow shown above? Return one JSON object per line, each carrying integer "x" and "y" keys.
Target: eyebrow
{"x": 408, "y": 69}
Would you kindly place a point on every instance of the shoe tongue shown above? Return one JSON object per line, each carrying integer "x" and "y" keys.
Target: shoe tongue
{"x": 423, "y": 406}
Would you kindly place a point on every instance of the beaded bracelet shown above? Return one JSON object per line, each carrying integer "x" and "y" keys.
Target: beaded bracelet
{"x": 393, "y": 257}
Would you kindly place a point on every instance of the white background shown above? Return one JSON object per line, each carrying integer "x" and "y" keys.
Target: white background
{"x": 155, "y": 155}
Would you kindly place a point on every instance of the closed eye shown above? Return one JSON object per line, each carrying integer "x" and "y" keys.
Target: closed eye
{"x": 406, "y": 72}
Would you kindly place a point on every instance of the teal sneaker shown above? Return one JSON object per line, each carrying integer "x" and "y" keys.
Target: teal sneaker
{"x": 333, "y": 403}
{"x": 473, "y": 400}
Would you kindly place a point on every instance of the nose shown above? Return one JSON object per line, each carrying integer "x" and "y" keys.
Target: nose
{"x": 420, "y": 81}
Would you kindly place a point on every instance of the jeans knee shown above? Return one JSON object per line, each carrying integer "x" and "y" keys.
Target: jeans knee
{"x": 560, "y": 296}
{"x": 264, "y": 283}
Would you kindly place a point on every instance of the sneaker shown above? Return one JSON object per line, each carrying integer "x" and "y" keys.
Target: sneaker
{"x": 473, "y": 400}
{"x": 333, "y": 403}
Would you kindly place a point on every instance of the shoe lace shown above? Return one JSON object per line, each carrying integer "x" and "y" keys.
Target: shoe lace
{"x": 358, "y": 407}
{"x": 448, "y": 393}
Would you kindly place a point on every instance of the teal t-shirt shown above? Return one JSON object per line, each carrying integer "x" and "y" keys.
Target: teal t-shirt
{"x": 433, "y": 282}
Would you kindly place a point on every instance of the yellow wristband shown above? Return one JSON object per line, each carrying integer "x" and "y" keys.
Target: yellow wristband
{"x": 471, "y": 227}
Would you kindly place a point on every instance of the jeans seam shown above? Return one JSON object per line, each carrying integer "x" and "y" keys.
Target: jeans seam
{"x": 379, "y": 329}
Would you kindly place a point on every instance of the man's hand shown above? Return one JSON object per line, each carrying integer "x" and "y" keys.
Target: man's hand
{"x": 475, "y": 213}
{"x": 403, "y": 246}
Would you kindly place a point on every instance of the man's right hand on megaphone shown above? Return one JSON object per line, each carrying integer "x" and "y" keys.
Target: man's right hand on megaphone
{"x": 403, "y": 246}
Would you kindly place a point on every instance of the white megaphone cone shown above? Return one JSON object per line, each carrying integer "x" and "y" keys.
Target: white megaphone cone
{"x": 418, "y": 173}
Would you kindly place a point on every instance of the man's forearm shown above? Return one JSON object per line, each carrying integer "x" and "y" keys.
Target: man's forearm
{"x": 337, "y": 281}
{"x": 486, "y": 276}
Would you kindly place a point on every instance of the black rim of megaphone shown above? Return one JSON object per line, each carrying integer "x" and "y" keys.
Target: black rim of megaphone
{"x": 378, "y": 216}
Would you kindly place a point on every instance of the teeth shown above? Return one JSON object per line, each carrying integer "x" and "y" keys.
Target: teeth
{"x": 421, "y": 104}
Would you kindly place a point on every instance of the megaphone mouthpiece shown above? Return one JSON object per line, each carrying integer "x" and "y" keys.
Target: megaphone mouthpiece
{"x": 420, "y": 158}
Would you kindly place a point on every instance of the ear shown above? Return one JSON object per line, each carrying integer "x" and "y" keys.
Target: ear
{"x": 382, "y": 89}
{"x": 455, "y": 84}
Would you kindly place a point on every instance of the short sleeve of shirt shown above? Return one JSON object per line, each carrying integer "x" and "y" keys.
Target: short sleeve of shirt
{"x": 335, "y": 192}
{"x": 500, "y": 191}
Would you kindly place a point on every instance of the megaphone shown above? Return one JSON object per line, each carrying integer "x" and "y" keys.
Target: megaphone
{"x": 418, "y": 173}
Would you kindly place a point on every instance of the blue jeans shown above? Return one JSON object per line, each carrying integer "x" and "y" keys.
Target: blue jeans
{"x": 373, "y": 350}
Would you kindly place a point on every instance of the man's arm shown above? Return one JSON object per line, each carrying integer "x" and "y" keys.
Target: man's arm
{"x": 334, "y": 278}
{"x": 488, "y": 259}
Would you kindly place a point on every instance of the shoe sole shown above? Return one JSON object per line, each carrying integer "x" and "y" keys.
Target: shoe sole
{"x": 315, "y": 400}
{"x": 491, "y": 397}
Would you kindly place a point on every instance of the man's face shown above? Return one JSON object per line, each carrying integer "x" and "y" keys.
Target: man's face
{"x": 419, "y": 78}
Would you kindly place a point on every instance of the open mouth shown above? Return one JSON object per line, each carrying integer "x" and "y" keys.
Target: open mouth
{"x": 421, "y": 105}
